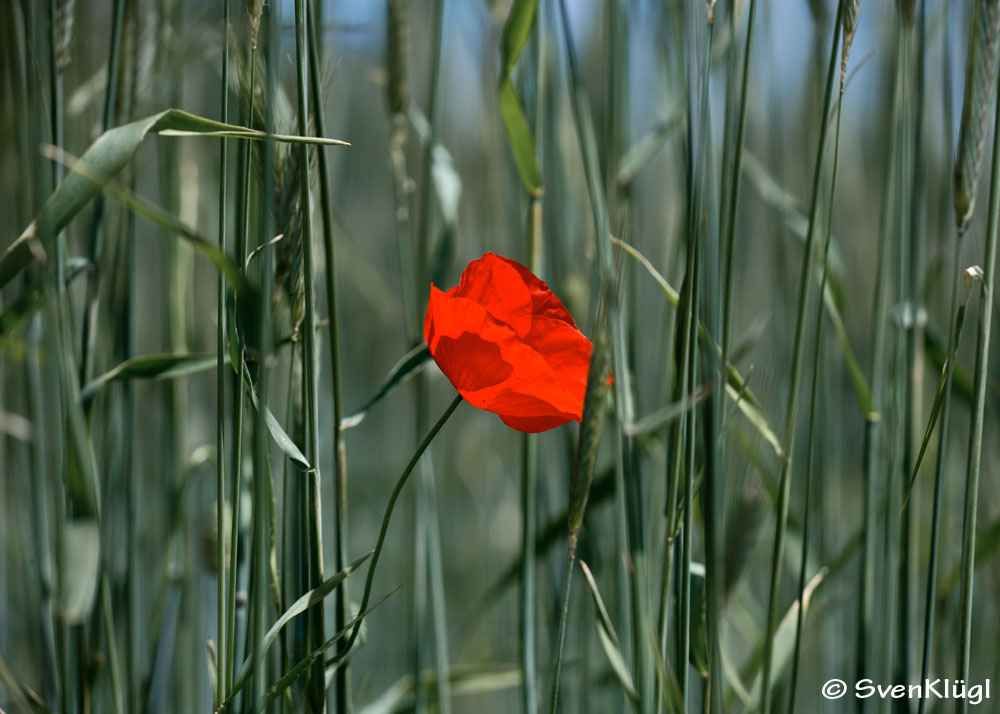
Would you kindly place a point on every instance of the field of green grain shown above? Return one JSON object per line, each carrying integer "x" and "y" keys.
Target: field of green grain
{"x": 245, "y": 466}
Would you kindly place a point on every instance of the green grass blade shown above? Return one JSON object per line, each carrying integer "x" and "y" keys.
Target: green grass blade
{"x": 585, "y": 457}
{"x": 641, "y": 153}
{"x": 165, "y": 366}
{"x": 155, "y": 215}
{"x": 519, "y": 135}
{"x": 791, "y": 407}
{"x": 281, "y": 438}
{"x": 939, "y": 396}
{"x": 987, "y": 545}
{"x": 303, "y": 666}
{"x": 516, "y": 32}
{"x": 792, "y": 211}
{"x": 784, "y": 642}
{"x": 407, "y": 366}
{"x": 736, "y": 387}
{"x": 608, "y": 636}
{"x": 465, "y": 679}
{"x": 387, "y": 515}
{"x": 105, "y": 158}
{"x": 974, "y": 456}
{"x": 31, "y": 299}
{"x": 665, "y": 415}
{"x": 306, "y": 601}
{"x": 813, "y": 406}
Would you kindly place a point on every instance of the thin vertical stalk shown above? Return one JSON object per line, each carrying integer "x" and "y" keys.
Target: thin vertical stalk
{"x": 529, "y": 511}
{"x": 41, "y": 541}
{"x": 913, "y": 351}
{"x": 398, "y": 94}
{"x": 898, "y": 466}
{"x": 529, "y": 442}
{"x": 18, "y": 65}
{"x": 584, "y": 458}
{"x": 89, "y": 325}
{"x": 619, "y": 200}
{"x": 614, "y": 143}
{"x": 686, "y": 331}
{"x": 58, "y": 138}
{"x": 177, "y": 266}
{"x": 978, "y": 418}
{"x": 222, "y": 684}
{"x": 873, "y": 421}
{"x": 734, "y": 187}
{"x": 930, "y": 593}
{"x": 436, "y": 581}
{"x": 294, "y": 536}
{"x": 434, "y": 121}
{"x": 813, "y": 404}
{"x": 563, "y": 619}
{"x": 930, "y": 599}
{"x": 420, "y": 572}
{"x": 427, "y": 500}
{"x": 235, "y": 530}
{"x": 728, "y": 147}
{"x": 623, "y": 386}
{"x": 136, "y": 672}
{"x": 261, "y": 441}
{"x": 342, "y": 681}
{"x": 242, "y": 242}
{"x": 699, "y": 150}
{"x": 317, "y": 678}
{"x": 715, "y": 481}
{"x": 689, "y": 476}
{"x": 791, "y": 408}
{"x": 39, "y": 495}
{"x": 678, "y": 439}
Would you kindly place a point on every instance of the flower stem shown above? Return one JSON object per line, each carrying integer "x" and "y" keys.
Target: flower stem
{"x": 391, "y": 505}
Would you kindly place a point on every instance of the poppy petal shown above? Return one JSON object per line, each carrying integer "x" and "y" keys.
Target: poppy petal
{"x": 471, "y": 362}
{"x": 543, "y": 301}
{"x": 565, "y": 349}
{"x": 527, "y": 413}
{"x": 509, "y": 346}
{"x": 493, "y": 283}
{"x": 450, "y": 318}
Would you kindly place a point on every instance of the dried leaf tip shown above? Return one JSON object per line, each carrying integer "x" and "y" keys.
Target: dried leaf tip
{"x": 851, "y": 9}
{"x": 980, "y": 84}
{"x": 710, "y": 8}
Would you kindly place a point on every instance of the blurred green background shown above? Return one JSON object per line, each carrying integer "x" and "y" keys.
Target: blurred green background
{"x": 642, "y": 64}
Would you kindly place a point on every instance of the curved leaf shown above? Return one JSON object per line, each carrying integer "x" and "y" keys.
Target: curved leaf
{"x": 410, "y": 363}
{"x": 105, "y": 158}
{"x": 608, "y": 637}
{"x": 164, "y": 366}
{"x": 642, "y": 151}
{"x": 516, "y": 32}
{"x": 736, "y": 386}
{"x": 522, "y": 143}
{"x": 314, "y": 596}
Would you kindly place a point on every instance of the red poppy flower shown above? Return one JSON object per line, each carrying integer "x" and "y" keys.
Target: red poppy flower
{"x": 509, "y": 346}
